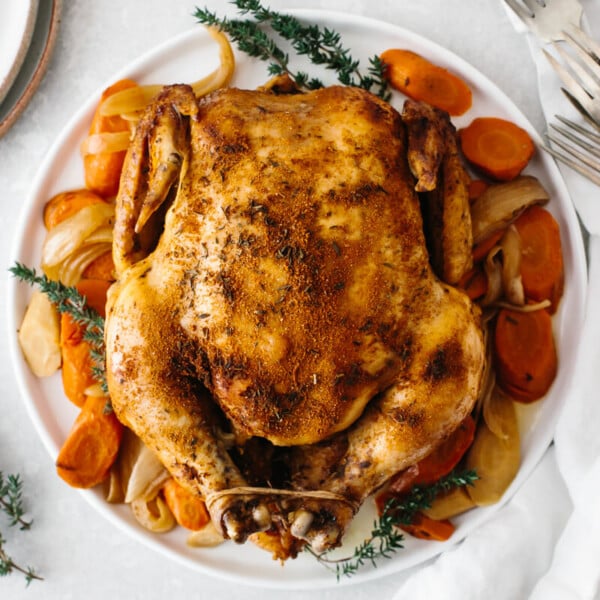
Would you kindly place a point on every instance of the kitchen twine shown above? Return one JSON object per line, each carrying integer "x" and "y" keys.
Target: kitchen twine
{"x": 211, "y": 498}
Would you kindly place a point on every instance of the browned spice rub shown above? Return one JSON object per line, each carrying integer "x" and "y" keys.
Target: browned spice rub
{"x": 274, "y": 281}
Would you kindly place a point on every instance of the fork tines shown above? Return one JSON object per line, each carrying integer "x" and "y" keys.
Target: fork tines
{"x": 581, "y": 75}
{"x": 579, "y": 148}
{"x": 546, "y": 18}
{"x": 576, "y": 59}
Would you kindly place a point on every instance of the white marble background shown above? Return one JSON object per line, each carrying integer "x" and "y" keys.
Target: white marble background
{"x": 77, "y": 551}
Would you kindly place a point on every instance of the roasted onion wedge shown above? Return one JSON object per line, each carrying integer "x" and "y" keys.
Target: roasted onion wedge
{"x": 140, "y": 471}
{"x": 78, "y": 240}
{"x": 502, "y": 203}
{"x": 512, "y": 283}
{"x": 495, "y": 458}
{"x": 206, "y": 537}
{"x": 130, "y": 102}
{"x": 39, "y": 336}
{"x": 153, "y": 514}
{"x": 105, "y": 142}
{"x": 449, "y": 505}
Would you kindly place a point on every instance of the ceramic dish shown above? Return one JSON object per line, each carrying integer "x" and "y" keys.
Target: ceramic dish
{"x": 187, "y": 58}
{"x": 17, "y": 20}
{"x": 34, "y": 63}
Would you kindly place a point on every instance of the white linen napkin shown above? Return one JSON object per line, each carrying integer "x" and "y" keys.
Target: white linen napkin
{"x": 545, "y": 543}
{"x": 505, "y": 557}
{"x": 575, "y": 570}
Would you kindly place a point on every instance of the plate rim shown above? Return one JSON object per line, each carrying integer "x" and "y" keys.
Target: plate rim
{"x": 51, "y": 156}
{"x": 47, "y": 21}
{"x": 19, "y": 50}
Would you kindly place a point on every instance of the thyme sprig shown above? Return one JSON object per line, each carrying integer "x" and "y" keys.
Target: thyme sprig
{"x": 385, "y": 539}
{"x": 68, "y": 300}
{"x": 323, "y": 46}
{"x": 11, "y": 503}
{"x": 11, "y": 500}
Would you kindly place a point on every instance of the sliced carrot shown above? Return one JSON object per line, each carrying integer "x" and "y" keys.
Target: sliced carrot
{"x": 476, "y": 188}
{"x": 66, "y": 204}
{"x": 91, "y": 446}
{"x": 497, "y": 147}
{"x": 103, "y": 170}
{"x": 443, "y": 459}
{"x": 525, "y": 353}
{"x": 421, "y": 80}
{"x": 188, "y": 509}
{"x": 437, "y": 464}
{"x": 426, "y": 528}
{"x": 76, "y": 358}
{"x": 76, "y": 371}
{"x": 542, "y": 269}
{"x": 481, "y": 250}
{"x": 102, "y": 267}
{"x": 474, "y": 283}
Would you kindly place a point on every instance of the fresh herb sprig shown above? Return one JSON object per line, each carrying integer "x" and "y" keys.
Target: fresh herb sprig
{"x": 322, "y": 46}
{"x": 385, "y": 539}
{"x": 11, "y": 503}
{"x": 68, "y": 300}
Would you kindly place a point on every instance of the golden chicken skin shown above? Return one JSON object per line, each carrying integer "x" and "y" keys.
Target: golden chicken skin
{"x": 274, "y": 284}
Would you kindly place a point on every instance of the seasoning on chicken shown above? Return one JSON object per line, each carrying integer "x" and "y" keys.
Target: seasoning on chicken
{"x": 274, "y": 282}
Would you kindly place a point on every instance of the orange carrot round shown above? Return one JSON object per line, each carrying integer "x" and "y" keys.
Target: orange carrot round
{"x": 421, "y": 80}
{"x": 188, "y": 509}
{"x": 66, "y": 204}
{"x": 446, "y": 456}
{"x": 91, "y": 446}
{"x": 103, "y": 170}
{"x": 526, "y": 360}
{"x": 426, "y": 528}
{"x": 76, "y": 371}
{"x": 76, "y": 358}
{"x": 542, "y": 269}
{"x": 497, "y": 147}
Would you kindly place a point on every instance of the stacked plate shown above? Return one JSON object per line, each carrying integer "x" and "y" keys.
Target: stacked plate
{"x": 27, "y": 35}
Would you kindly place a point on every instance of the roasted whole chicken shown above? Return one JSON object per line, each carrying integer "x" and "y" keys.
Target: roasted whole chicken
{"x": 277, "y": 334}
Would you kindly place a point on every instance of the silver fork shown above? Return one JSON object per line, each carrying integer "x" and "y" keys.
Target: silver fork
{"x": 579, "y": 147}
{"x": 581, "y": 76}
{"x": 554, "y": 21}
{"x": 557, "y": 23}
{"x": 547, "y": 18}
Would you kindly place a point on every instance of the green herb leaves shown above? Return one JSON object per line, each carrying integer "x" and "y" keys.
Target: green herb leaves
{"x": 322, "y": 46}
{"x": 385, "y": 539}
{"x": 11, "y": 503}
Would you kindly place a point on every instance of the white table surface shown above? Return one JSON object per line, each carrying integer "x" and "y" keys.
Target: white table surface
{"x": 80, "y": 554}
